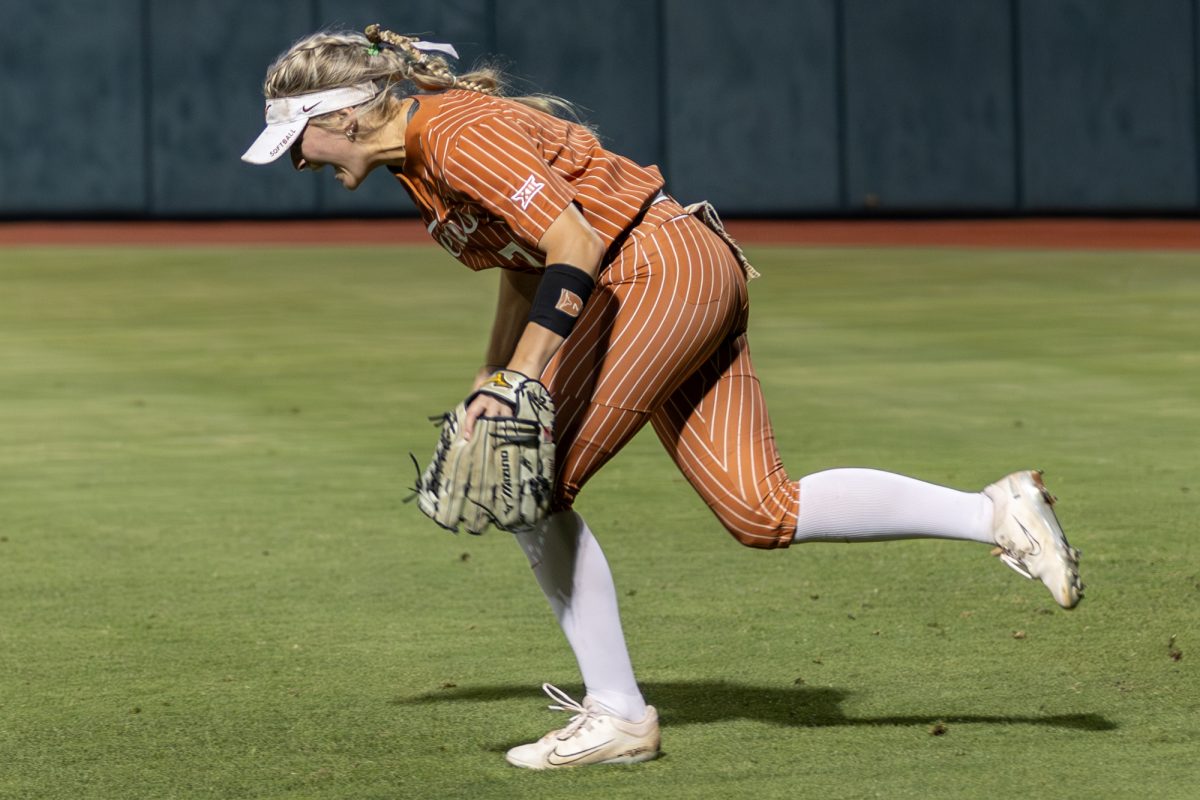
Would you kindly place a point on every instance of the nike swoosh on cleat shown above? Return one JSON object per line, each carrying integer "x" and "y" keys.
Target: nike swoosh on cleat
{"x": 567, "y": 758}
{"x": 1036, "y": 548}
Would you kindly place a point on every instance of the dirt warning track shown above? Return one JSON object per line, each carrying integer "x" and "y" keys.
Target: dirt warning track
{"x": 1025, "y": 234}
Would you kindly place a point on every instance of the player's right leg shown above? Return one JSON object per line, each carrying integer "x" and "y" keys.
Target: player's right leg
{"x": 717, "y": 430}
{"x": 1015, "y": 514}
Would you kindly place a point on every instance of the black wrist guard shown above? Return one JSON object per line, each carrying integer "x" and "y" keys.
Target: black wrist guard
{"x": 560, "y": 298}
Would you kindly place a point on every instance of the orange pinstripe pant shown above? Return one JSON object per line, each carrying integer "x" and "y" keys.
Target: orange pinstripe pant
{"x": 662, "y": 340}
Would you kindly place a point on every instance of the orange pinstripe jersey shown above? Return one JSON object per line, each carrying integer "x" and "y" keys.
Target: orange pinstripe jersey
{"x": 489, "y": 176}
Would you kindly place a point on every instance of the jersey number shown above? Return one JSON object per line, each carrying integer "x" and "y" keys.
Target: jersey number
{"x": 514, "y": 252}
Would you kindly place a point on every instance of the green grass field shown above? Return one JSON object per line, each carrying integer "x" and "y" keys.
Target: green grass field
{"x": 210, "y": 586}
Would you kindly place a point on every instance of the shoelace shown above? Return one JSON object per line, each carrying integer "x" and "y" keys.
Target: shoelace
{"x": 563, "y": 702}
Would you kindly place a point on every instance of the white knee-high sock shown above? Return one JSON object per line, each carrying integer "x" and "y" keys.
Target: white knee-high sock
{"x": 866, "y": 505}
{"x": 574, "y": 575}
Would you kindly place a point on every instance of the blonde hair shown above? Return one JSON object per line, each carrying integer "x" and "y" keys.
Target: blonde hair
{"x": 391, "y": 61}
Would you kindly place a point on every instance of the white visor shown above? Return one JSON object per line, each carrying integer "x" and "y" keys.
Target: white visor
{"x": 287, "y": 116}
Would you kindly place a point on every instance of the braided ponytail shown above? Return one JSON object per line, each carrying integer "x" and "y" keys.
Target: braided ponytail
{"x": 425, "y": 70}
{"x": 429, "y": 71}
{"x": 390, "y": 60}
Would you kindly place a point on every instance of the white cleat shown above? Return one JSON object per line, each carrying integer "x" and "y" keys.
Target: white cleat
{"x": 593, "y": 736}
{"x": 1029, "y": 538}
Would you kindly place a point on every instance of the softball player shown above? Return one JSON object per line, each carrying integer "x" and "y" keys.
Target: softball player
{"x": 632, "y": 310}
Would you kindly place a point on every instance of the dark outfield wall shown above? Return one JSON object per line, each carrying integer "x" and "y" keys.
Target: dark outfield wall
{"x": 777, "y": 107}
